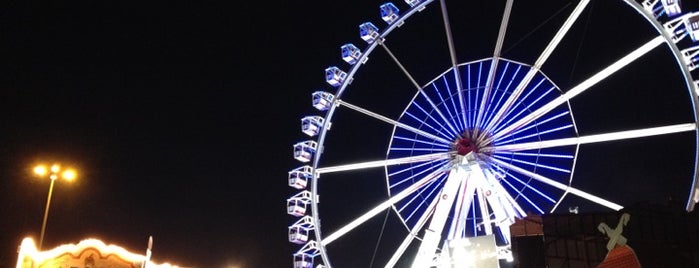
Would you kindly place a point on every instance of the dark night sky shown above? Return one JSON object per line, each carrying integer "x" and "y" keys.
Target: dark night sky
{"x": 180, "y": 117}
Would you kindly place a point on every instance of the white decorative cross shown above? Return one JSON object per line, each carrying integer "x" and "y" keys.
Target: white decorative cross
{"x": 614, "y": 235}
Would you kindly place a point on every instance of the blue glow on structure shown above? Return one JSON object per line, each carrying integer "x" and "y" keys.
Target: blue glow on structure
{"x": 519, "y": 193}
{"x": 416, "y": 149}
{"x": 442, "y": 100}
{"x": 350, "y": 53}
{"x": 413, "y": 3}
{"x": 532, "y": 164}
{"x": 567, "y": 156}
{"x": 417, "y": 166}
{"x": 435, "y": 110}
{"x": 528, "y": 186}
{"x": 389, "y": 13}
{"x": 368, "y": 32}
{"x": 537, "y": 133}
{"x": 413, "y": 176}
{"x": 436, "y": 131}
{"x": 422, "y": 202}
{"x": 440, "y": 145}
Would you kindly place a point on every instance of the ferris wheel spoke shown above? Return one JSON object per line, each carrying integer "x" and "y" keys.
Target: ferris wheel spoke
{"x": 458, "y": 112}
{"x": 384, "y": 163}
{"x": 529, "y": 104}
{"x": 533, "y": 164}
{"x": 454, "y": 61}
{"x": 422, "y": 92}
{"x": 612, "y": 136}
{"x": 580, "y": 88}
{"x": 526, "y": 185}
{"x": 560, "y": 186}
{"x": 416, "y": 174}
{"x": 392, "y": 122}
{"x": 464, "y": 199}
{"x": 433, "y": 233}
{"x": 422, "y": 196}
{"x": 413, "y": 233}
{"x": 458, "y": 122}
{"x": 381, "y": 207}
{"x": 436, "y": 145}
{"x": 537, "y": 65}
{"x": 494, "y": 64}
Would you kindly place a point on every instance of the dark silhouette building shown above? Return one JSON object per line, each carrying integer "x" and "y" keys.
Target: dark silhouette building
{"x": 661, "y": 235}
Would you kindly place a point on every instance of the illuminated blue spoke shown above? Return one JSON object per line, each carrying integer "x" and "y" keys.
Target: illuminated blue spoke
{"x": 478, "y": 87}
{"x": 566, "y": 156}
{"x": 490, "y": 112}
{"x": 531, "y": 164}
{"x": 535, "y": 134}
{"x": 442, "y": 134}
{"x": 461, "y": 118}
{"x": 459, "y": 122}
{"x": 532, "y": 91}
{"x": 431, "y": 143}
{"x": 526, "y": 185}
{"x": 554, "y": 117}
{"x": 436, "y": 109}
{"x": 413, "y": 176}
{"x": 408, "y": 149}
{"x": 416, "y": 166}
{"x": 520, "y": 194}
{"x": 522, "y": 110}
{"x": 468, "y": 88}
{"x": 420, "y": 194}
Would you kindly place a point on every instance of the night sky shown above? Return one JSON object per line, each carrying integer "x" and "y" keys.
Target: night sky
{"x": 180, "y": 118}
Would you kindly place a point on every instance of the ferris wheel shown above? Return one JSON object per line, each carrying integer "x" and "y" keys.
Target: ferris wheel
{"x": 433, "y": 148}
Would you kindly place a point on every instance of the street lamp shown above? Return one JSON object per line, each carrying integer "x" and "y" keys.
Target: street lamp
{"x": 54, "y": 172}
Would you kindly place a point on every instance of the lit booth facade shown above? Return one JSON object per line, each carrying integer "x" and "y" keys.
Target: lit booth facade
{"x": 89, "y": 253}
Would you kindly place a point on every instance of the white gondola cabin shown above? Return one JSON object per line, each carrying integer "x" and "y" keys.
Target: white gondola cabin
{"x": 311, "y": 125}
{"x": 389, "y": 13}
{"x": 305, "y": 256}
{"x": 368, "y": 32}
{"x": 413, "y": 3}
{"x": 304, "y": 151}
{"x": 672, "y": 7}
{"x": 300, "y": 230}
{"x": 350, "y": 53}
{"x": 691, "y": 23}
{"x": 299, "y": 177}
{"x": 297, "y": 204}
{"x": 334, "y": 76}
{"x": 691, "y": 57}
{"x": 322, "y": 100}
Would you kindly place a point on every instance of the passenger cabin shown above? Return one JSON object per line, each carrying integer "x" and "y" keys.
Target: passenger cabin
{"x": 298, "y": 177}
{"x": 303, "y": 151}
{"x": 389, "y": 13}
{"x": 300, "y": 230}
{"x": 368, "y": 32}
{"x": 305, "y": 256}
{"x": 672, "y": 7}
{"x": 691, "y": 24}
{"x": 297, "y": 204}
{"x": 413, "y": 3}
{"x": 691, "y": 57}
{"x": 311, "y": 125}
{"x": 322, "y": 100}
{"x": 334, "y": 76}
{"x": 350, "y": 53}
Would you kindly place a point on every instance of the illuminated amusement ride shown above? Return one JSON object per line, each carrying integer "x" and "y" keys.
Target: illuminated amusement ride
{"x": 492, "y": 138}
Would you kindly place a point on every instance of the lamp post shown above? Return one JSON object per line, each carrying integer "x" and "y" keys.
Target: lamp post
{"x": 54, "y": 173}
